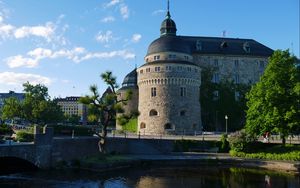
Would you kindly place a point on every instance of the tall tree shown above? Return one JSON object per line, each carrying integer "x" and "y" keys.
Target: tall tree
{"x": 104, "y": 107}
{"x": 11, "y": 109}
{"x": 273, "y": 103}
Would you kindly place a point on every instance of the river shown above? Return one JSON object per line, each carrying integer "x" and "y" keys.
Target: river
{"x": 147, "y": 177}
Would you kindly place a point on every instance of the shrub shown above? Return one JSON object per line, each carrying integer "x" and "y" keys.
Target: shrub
{"x": 224, "y": 144}
{"x": 24, "y": 136}
{"x": 240, "y": 141}
{"x": 5, "y": 129}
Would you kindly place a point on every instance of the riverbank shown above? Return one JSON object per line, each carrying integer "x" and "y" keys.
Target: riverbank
{"x": 186, "y": 160}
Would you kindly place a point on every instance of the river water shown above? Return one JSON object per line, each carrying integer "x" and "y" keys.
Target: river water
{"x": 210, "y": 177}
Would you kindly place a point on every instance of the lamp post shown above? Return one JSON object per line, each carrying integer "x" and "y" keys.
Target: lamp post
{"x": 226, "y": 118}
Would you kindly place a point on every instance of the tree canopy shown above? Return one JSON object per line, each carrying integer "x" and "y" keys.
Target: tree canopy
{"x": 37, "y": 107}
{"x": 273, "y": 102}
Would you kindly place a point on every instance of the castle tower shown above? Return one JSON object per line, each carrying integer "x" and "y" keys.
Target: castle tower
{"x": 169, "y": 86}
{"x": 129, "y": 83}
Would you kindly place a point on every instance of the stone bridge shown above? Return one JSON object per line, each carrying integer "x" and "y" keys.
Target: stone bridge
{"x": 46, "y": 151}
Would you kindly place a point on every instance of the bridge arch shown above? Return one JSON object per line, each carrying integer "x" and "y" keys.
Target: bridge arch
{"x": 15, "y": 164}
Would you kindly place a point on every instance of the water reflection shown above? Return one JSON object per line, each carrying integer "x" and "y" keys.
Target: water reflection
{"x": 212, "y": 177}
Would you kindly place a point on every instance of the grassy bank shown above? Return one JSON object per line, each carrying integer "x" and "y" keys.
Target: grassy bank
{"x": 274, "y": 152}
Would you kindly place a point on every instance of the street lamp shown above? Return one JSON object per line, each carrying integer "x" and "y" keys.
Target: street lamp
{"x": 226, "y": 118}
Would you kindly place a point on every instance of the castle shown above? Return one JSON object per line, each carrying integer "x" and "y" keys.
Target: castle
{"x": 166, "y": 89}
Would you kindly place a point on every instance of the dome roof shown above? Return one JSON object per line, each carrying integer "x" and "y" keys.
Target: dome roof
{"x": 168, "y": 26}
{"x": 130, "y": 79}
{"x": 169, "y": 43}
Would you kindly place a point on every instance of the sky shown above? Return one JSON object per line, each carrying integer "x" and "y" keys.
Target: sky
{"x": 66, "y": 44}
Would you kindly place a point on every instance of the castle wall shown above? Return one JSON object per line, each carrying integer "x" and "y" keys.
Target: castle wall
{"x": 248, "y": 69}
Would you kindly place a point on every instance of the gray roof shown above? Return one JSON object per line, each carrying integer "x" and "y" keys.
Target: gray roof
{"x": 130, "y": 80}
{"x": 209, "y": 45}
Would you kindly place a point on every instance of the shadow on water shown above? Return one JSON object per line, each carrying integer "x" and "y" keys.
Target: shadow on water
{"x": 9, "y": 165}
{"x": 156, "y": 177}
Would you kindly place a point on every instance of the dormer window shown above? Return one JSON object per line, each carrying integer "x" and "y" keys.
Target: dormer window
{"x": 246, "y": 47}
{"x": 198, "y": 45}
{"x": 224, "y": 44}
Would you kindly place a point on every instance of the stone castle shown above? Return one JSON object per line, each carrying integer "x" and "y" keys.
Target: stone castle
{"x": 166, "y": 89}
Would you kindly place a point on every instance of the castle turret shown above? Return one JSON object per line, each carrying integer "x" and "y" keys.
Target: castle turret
{"x": 169, "y": 86}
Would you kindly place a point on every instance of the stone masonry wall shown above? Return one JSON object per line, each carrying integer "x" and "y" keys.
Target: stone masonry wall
{"x": 181, "y": 113}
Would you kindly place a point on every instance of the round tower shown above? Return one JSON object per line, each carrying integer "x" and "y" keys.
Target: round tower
{"x": 169, "y": 86}
{"x": 129, "y": 83}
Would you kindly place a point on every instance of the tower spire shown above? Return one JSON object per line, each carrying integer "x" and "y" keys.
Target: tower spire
{"x": 168, "y": 10}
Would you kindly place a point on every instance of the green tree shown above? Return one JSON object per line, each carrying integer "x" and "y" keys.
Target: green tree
{"x": 104, "y": 107}
{"x": 11, "y": 109}
{"x": 273, "y": 102}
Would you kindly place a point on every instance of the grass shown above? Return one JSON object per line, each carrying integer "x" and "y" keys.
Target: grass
{"x": 274, "y": 152}
{"x": 131, "y": 126}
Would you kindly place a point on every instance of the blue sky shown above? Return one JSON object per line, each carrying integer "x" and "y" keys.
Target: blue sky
{"x": 67, "y": 44}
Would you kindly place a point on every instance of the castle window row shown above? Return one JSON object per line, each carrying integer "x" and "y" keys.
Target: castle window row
{"x": 166, "y": 81}
{"x": 169, "y": 69}
{"x": 182, "y": 91}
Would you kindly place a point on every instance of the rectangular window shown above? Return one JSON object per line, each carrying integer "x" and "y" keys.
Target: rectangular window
{"x": 215, "y": 95}
{"x": 186, "y": 57}
{"x": 157, "y": 69}
{"x": 168, "y": 68}
{"x": 236, "y": 79}
{"x": 261, "y": 64}
{"x": 153, "y": 92}
{"x": 147, "y": 69}
{"x": 182, "y": 91}
{"x": 216, "y": 78}
{"x": 216, "y": 62}
{"x": 172, "y": 56}
{"x": 237, "y": 95}
{"x": 236, "y": 63}
{"x": 141, "y": 71}
{"x": 156, "y": 57}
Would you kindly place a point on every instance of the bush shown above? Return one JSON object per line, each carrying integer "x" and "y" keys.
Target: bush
{"x": 240, "y": 141}
{"x": 224, "y": 144}
{"x": 5, "y": 129}
{"x": 24, "y": 136}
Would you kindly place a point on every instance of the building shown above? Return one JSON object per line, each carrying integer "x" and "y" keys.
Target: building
{"x": 168, "y": 84}
{"x": 71, "y": 106}
{"x": 3, "y": 96}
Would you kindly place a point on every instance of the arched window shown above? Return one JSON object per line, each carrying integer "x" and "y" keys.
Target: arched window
{"x": 182, "y": 113}
{"x": 153, "y": 113}
{"x": 168, "y": 126}
{"x": 142, "y": 125}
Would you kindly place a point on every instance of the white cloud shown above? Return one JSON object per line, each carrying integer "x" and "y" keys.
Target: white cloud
{"x": 6, "y": 30}
{"x": 112, "y": 3}
{"x": 124, "y": 11}
{"x": 107, "y": 55}
{"x": 108, "y": 19}
{"x": 20, "y": 61}
{"x": 77, "y": 55}
{"x": 46, "y": 31}
{"x": 12, "y": 78}
{"x": 136, "y": 37}
{"x": 105, "y": 37}
{"x": 156, "y": 12}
